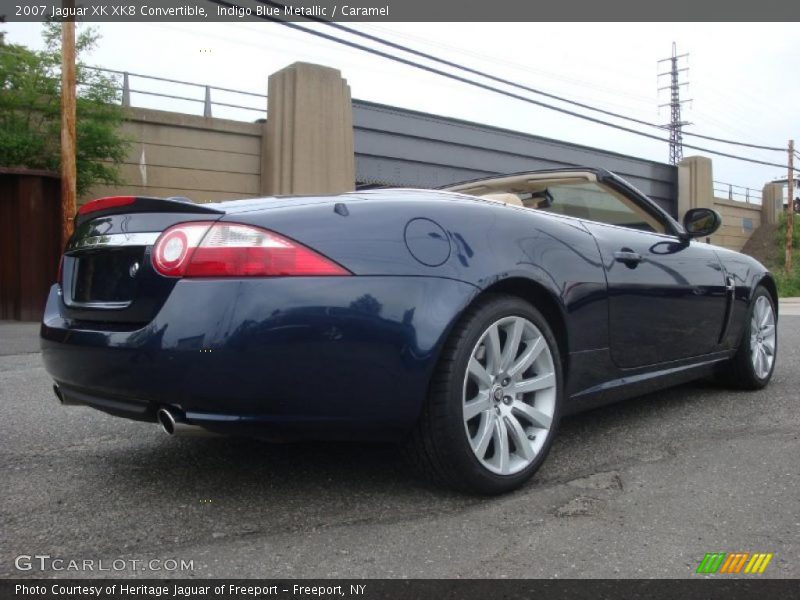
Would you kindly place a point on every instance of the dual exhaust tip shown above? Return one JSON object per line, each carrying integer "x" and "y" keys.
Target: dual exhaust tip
{"x": 64, "y": 400}
{"x": 171, "y": 424}
{"x": 168, "y": 419}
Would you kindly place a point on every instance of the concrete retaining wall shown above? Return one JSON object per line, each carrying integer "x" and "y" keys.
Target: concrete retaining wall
{"x": 739, "y": 221}
{"x": 174, "y": 154}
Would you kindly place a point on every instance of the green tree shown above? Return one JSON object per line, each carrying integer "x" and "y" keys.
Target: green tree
{"x": 30, "y": 97}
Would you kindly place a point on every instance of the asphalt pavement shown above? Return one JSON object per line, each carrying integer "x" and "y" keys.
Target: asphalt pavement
{"x": 643, "y": 488}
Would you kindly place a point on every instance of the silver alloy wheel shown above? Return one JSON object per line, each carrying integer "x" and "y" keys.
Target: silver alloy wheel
{"x": 762, "y": 337}
{"x": 509, "y": 395}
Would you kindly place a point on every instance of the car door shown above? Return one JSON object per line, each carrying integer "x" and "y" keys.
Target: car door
{"x": 666, "y": 297}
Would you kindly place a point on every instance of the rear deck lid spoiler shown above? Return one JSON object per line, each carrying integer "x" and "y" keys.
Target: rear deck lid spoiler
{"x": 141, "y": 204}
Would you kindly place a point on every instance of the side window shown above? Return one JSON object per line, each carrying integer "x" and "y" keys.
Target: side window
{"x": 594, "y": 202}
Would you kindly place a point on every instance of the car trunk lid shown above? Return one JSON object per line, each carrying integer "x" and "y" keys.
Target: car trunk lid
{"x": 106, "y": 273}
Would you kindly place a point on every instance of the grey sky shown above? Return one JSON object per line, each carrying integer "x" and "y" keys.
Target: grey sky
{"x": 740, "y": 75}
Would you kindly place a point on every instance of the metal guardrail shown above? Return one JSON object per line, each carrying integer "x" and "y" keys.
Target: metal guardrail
{"x": 731, "y": 190}
{"x": 207, "y": 101}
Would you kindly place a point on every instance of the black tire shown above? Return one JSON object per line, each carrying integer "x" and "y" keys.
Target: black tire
{"x": 439, "y": 447}
{"x": 739, "y": 372}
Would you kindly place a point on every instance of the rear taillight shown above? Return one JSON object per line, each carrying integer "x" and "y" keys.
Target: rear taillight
{"x": 104, "y": 203}
{"x": 174, "y": 247}
{"x": 204, "y": 249}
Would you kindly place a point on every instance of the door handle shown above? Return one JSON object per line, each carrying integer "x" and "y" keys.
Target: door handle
{"x": 628, "y": 257}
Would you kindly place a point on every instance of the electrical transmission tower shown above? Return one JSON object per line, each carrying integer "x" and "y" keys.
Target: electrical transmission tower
{"x": 676, "y": 124}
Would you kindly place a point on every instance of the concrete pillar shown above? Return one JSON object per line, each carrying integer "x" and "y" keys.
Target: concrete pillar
{"x": 695, "y": 184}
{"x": 771, "y": 203}
{"x": 308, "y": 139}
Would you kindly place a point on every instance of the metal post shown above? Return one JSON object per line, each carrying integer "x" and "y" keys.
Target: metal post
{"x": 747, "y": 195}
{"x": 676, "y": 124}
{"x": 730, "y": 191}
{"x": 675, "y": 133}
{"x": 207, "y": 104}
{"x": 126, "y": 90}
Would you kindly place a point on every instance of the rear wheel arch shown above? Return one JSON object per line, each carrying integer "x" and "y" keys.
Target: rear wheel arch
{"x": 540, "y": 298}
{"x": 529, "y": 290}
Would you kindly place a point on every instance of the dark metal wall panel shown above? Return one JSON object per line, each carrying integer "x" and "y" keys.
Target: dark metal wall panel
{"x": 30, "y": 241}
{"x": 401, "y": 147}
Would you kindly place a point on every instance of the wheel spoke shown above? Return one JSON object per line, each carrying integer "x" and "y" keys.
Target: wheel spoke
{"x": 479, "y": 374}
{"x": 481, "y": 403}
{"x": 536, "y": 417}
{"x": 531, "y": 353}
{"x": 501, "y": 449}
{"x": 521, "y": 442}
{"x": 764, "y": 362}
{"x": 485, "y": 431}
{"x": 511, "y": 348}
{"x": 768, "y": 331}
{"x": 764, "y": 313}
{"x": 759, "y": 368}
{"x": 534, "y": 384}
{"x": 493, "y": 354}
{"x": 758, "y": 312}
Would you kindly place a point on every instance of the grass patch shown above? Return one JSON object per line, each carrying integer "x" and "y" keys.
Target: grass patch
{"x": 788, "y": 283}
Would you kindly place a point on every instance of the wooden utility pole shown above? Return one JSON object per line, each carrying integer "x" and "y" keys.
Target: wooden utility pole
{"x": 68, "y": 138}
{"x": 790, "y": 209}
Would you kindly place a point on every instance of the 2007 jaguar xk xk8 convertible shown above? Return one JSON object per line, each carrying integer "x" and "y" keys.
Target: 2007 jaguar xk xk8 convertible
{"x": 461, "y": 323}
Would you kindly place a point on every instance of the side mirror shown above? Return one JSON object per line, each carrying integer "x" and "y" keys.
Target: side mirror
{"x": 701, "y": 222}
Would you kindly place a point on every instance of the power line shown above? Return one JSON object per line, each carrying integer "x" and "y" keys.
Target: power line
{"x": 524, "y": 67}
{"x": 534, "y": 90}
{"x": 729, "y": 128}
{"x": 484, "y": 86}
{"x": 539, "y": 92}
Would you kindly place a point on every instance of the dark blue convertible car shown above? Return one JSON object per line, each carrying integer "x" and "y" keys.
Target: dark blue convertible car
{"x": 462, "y": 324}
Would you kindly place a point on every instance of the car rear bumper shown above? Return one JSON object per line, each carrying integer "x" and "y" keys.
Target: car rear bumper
{"x": 288, "y": 358}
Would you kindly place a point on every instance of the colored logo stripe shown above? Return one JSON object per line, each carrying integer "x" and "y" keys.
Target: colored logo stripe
{"x": 758, "y": 563}
{"x": 711, "y": 562}
{"x": 732, "y": 563}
